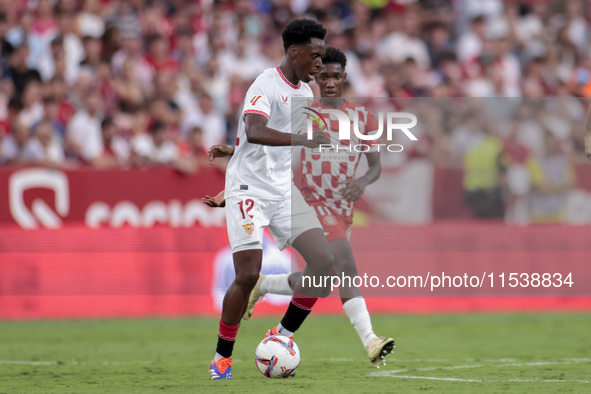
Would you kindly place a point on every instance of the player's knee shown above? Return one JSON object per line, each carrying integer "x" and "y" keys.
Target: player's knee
{"x": 347, "y": 266}
{"x": 325, "y": 261}
{"x": 246, "y": 280}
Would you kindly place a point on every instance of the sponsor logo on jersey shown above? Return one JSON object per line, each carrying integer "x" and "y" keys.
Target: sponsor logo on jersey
{"x": 284, "y": 99}
{"x": 317, "y": 117}
{"x": 243, "y": 187}
{"x": 330, "y": 220}
{"x": 248, "y": 228}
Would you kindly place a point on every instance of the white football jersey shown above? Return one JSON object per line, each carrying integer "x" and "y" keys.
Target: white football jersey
{"x": 260, "y": 170}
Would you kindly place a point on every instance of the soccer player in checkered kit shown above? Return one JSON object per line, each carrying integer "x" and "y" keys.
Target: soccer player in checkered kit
{"x": 330, "y": 188}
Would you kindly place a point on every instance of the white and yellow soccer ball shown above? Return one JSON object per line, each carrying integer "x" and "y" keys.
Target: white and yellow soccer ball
{"x": 277, "y": 357}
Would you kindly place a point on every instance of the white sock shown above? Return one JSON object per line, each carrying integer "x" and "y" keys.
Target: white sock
{"x": 283, "y": 331}
{"x": 276, "y": 284}
{"x": 217, "y": 357}
{"x": 356, "y": 309}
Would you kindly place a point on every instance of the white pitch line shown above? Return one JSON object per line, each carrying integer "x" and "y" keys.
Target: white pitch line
{"x": 490, "y": 381}
{"x": 74, "y": 362}
{"x": 421, "y": 360}
{"x": 431, "y": 378}
{"x": 28, "y": 362}
{"x": 393, "y": 373}
{"x": 453, "y": 367}
{"x": 547, "y": 381}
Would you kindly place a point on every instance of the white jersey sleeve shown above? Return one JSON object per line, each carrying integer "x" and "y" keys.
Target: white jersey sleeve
{"x": 258, "y": 99}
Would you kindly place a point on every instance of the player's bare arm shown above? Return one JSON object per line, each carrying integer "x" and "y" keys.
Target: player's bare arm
{"x": 588, "y": 134}
{"x": 355, "y": 187}
{"x": 257, "y": 132}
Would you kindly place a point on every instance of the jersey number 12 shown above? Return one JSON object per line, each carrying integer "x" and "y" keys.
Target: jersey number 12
{"x": 249, "y": 205}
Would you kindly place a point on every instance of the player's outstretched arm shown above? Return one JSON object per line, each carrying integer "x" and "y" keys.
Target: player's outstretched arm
{"x": 355, "y": 188}
{"x": 218, "y": 201}
{"x": 257, "y": 132}
{"x": 588, "y": 134}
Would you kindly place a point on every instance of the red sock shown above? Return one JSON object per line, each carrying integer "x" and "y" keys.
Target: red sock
{"x": 303, "y": 301}
{"x": 227, "y": 331}
{"x": 226, "y": 339}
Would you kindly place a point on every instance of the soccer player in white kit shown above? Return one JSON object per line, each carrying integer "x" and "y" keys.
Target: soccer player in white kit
{"x": 259, "y": 188}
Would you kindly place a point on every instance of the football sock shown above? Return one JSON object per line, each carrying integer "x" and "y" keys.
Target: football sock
{"x": 226, "y": 339}
{"x": 356, "y": 309}
{"x": 283, "y": 331}
{"x": 276, "y": 284}
{"x": 299, "y": 308}
{"x": 217, "y": 357}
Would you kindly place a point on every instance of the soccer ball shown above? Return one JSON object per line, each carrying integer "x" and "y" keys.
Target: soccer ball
{"x": 277, "y": 357}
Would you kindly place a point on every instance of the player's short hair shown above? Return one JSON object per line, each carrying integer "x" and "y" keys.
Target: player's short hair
{"x": 333, "y": 55}
{"x": 301, "y": 32}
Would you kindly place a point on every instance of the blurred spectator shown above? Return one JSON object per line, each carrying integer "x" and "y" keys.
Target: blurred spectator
{"x": 90, "y": 23}
{"x": 128, "y": 91}
{"x": 124, "y": 18}
{"x": 132, "y": 52}
{"x": 518, "y": 178}
{"x": 47, "y": 63}
{"x": 552, "y": 176}
{"x": 83, "y": 134}
{"x": 244, "y": 60}
{"x": 214, "y": 124}
{"x": 92, "y": 50}
{"x": 159, "y": 55}
{"x": 438, "y": 41}
{"x": 20, "y": 72}
{"x": 155, "y": 147}
{"x": 469, "y": 45}
{"x": 197, "y": 155}
{"x": 59, "y": 90}
{"x": 6, "y": 47}
{"x": 113, "y": 150}
{"x": 32, "y": 111}
{"x": 51, "y": 114}
{"x": 43, "y": 30}
{"x": 49, "y": 144}
{"x": 406, "y": 43}
{"x": 18, "y": 149}
{"x": 484, "y": 167}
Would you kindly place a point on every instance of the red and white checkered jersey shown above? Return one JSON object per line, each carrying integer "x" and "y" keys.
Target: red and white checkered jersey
{"x": 323, "y": 170}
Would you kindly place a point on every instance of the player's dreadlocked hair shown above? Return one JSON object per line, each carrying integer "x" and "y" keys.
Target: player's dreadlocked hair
{"x": 301, "y": 32}
{"x": 334, "y": 55}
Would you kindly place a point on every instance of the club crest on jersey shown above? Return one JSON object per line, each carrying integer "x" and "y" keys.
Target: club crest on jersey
{"x": 248, "y": 228}
{"x": 330, "y": 220}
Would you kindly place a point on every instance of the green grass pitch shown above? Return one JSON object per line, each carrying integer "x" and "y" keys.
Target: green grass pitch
{"x": 435, "y": 353}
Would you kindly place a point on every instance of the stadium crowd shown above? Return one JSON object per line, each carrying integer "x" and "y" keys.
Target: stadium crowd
{"x": 152, "y": 82}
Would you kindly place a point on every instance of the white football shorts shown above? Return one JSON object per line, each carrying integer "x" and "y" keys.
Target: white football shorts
{"x": 247, "y": 217}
